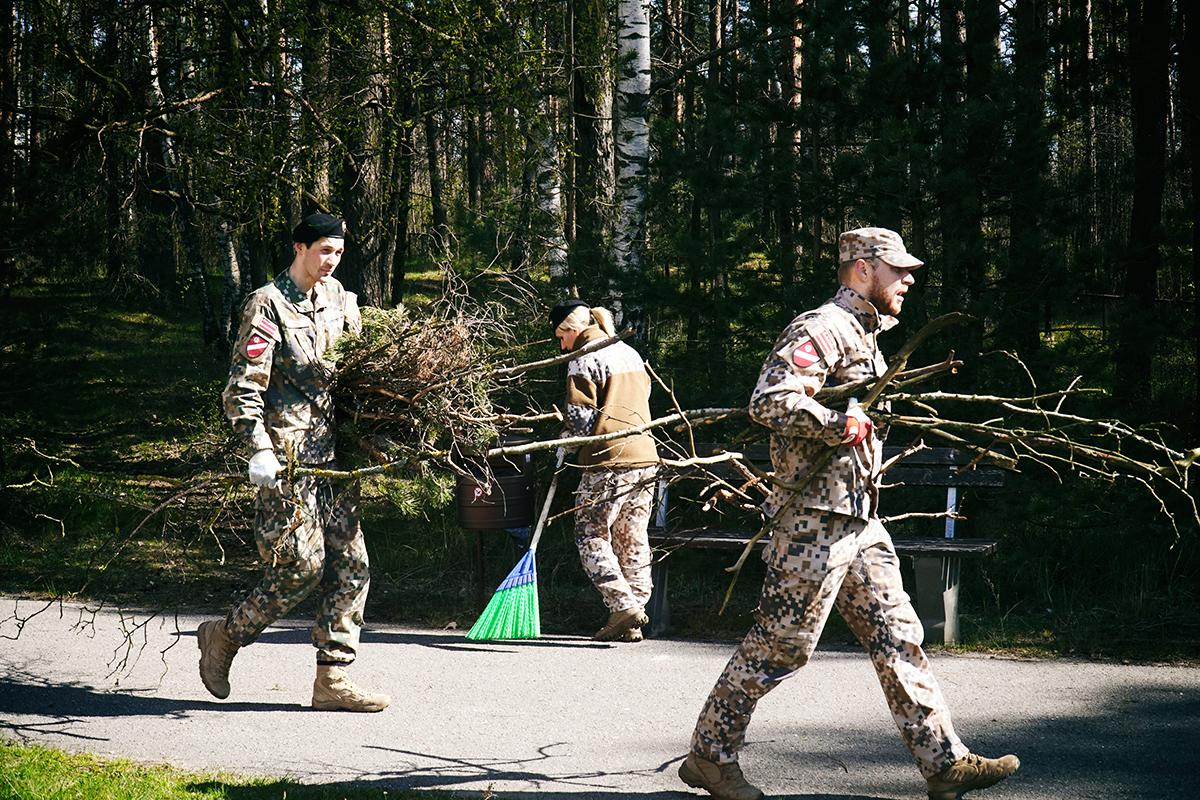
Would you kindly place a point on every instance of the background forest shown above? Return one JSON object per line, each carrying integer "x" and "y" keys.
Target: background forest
{"x": 689, "y": 162}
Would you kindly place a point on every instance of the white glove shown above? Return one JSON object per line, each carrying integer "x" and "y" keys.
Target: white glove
{"x": 264, "y": 469}
{"x": 858, "y": 425}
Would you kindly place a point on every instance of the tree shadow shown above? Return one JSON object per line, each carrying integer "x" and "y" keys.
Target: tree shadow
{"x": 452, "y": 642}
{"x": 31, "y": 696}
{"x": 449, "y": 772}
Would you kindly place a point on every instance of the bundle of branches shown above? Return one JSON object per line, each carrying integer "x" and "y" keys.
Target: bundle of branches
{"x": 1036, "y": 431}
{"x": 414, "y": 392}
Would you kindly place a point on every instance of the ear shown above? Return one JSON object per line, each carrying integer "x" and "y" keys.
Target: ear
{"x": 298, "y": 248}
{"x": 862, "y": 267}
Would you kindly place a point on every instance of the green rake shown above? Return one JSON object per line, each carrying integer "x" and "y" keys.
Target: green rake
{"x": 513, "y": 611}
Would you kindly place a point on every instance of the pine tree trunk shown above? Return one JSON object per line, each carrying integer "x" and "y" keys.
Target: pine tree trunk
{"x": 592, "y": 96}
{"x": 367, "y": 266}
{"x": 1189, "y": 114}
{"x": 984, "y": 124}
{"x": 1028, "y": 275}
{"x": 440, "y": 221}
{"x": 1149, "y": 47}
{"x": 315, "y": 46}
{"x": 184, "y": 213}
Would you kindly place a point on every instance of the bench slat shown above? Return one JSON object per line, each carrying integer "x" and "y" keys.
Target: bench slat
{"x": 941, "y": 476}
{"x": 719, "y": 539}
{"x": 945, "y": 547}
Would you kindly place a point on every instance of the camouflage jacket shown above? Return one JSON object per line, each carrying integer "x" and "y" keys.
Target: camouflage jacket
{"x": 278, "y": 391}
{"x": 830, "y": 345}
{"x": 608, "y": 390}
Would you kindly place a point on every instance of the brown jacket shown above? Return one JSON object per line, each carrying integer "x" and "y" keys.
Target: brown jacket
{"x": 607, "y": 391}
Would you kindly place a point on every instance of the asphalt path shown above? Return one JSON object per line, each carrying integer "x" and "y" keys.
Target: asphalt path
{"x": 564, "y": 717}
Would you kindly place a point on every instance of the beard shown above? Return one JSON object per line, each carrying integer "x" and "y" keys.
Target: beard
{"x": 885, "y": 299}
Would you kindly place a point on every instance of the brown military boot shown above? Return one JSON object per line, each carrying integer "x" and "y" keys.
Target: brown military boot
{"x": 619, "y": 622}
{"x": 216, "y": 654}
{"x": 722, "y": 781}
{"x": 969, "y": 773}
{"x": 631, "y": 635}
{"x": 334, "y": 691}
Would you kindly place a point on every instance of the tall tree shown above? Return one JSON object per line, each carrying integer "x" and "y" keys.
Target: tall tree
{"x": 1149, "y": 50}
{"x": 1189, "y": 113}
{"x": 1026, "y": 278}
{"x": 592, "y": 110}
{"x": 632, "y": 155}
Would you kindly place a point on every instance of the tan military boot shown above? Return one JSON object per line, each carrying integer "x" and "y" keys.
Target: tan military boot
{"x": 722, "y": 781}
{"x": 619, "y": 622}
{"x": 216, "y": 654}
{"x": 631, "y": 635}
{"x": 334, "y": 691}
{"x": 969, "y": 773}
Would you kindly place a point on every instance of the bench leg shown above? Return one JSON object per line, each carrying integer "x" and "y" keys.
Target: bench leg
{"x": 936, "y": 596}
{"x": 658, "y": 609}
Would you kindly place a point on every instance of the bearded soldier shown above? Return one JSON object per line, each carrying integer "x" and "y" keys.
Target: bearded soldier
{"x": 828, "y": 547}
{"x": 307, "y": 531}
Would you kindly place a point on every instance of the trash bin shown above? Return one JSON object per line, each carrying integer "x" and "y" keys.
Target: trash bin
{"x": 499, "y": 500}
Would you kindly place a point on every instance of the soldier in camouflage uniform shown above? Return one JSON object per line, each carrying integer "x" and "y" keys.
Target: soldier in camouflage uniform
{"x": 307, "y": 531}
{"x": 608, "y": 390}
{"x": 828, "y": 547}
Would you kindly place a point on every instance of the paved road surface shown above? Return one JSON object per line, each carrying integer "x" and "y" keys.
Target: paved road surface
{"x": 563, "y": 717}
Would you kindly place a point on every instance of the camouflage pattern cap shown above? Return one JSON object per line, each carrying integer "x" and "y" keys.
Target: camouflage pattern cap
{"x": 875, "y": 243}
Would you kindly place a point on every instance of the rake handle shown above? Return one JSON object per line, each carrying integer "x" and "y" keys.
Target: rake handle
{"x": 560, "y": 456}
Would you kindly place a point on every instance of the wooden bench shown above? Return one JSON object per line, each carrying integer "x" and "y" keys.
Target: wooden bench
{"x": 937, "y": 561}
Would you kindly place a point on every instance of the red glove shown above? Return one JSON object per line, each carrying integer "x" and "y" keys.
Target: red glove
{"x": 858, "y": 426}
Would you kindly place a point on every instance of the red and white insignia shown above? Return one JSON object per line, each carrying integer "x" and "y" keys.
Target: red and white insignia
{"x": 270, "y": 329}
{"x": 255, "y": 346}
{"x": 805, "y": 354}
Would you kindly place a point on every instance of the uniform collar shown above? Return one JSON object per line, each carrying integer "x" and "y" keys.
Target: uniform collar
{"x": 285, "y": 284}
{"x": 289, "y": 289}
{"x": 588, "y": 335}
{"x": 863, "y": 310}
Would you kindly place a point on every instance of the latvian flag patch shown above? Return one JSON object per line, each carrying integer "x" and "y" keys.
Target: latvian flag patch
{"x": 809, "y": 350}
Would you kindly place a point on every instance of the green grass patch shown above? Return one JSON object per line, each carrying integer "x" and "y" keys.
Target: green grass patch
{"x": 32, "y": 772}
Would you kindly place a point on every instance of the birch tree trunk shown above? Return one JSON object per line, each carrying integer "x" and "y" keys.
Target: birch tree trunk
{"x": 234, "y": 289}
{"x": 632, "y": 157}
{"x": 8, "y": 130}
{"x": 550, "y": 222}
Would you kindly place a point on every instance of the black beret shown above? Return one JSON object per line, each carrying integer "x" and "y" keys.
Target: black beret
{"x": 315, "y": 226}
{"x": 563, "y": 310}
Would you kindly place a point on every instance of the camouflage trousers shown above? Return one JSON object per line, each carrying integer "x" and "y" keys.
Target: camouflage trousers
{"x": 309, "y": 537}
{"x": 610, "y": 532}
{"x": 815, "y": 561}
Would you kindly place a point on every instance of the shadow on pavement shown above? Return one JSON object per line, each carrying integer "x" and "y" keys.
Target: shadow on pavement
{"x": 256, "y": 792}
{"x": 78, "y": 701}
{"x": 450, "y": 641}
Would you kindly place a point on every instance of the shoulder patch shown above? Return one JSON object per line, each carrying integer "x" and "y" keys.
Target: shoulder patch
{"x": 265, "y": 326}
{"x": 826, "y": 344}
{"x": 815, "y": 344}
{"x": 255, "y": 347}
